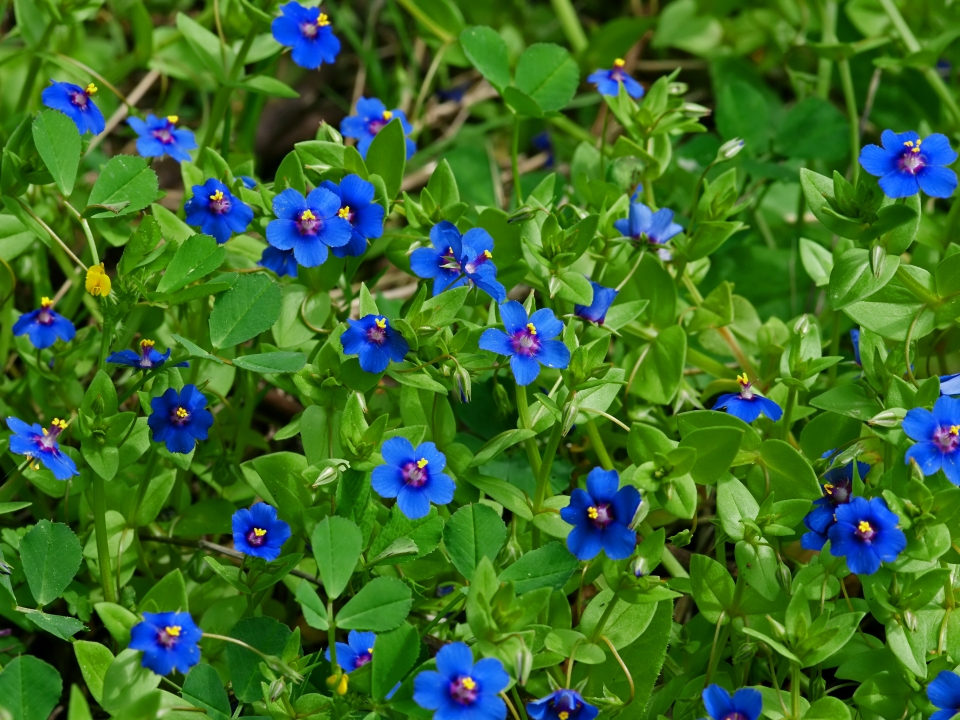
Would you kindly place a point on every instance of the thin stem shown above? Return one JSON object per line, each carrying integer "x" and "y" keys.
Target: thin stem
{"x": 667, "y": 559}
{"x": 720, "y": 637}
{"x": 442, "y": 614}
{"x": 273, "y": 662}
{"x": 86, "y": 231}
{"x": 331, "y": 633}
{"x": 788, "y": 412}
{"x": 601, "y": 623}
{"x": 515, "y": 161}
{"x": 603, "y": 142}
{"x": 570, "y": 22}
{"x": 906, "y": 346}
{"x": 513, "y": 710}
{"x": 623, "y": 666}
{"x": 523, "y": 408}
{"x": 543, "y": 477}
{"x": 428, "y": 79}
{"x": 846, "y": 82}
{"x": 103, "y": 547}
{"x": 632, "y": 271}
{"x": 32, "y": 71}
{"x": 696, "y": 190}
{"x": 828, "y": 10}
{"x": 795, "y": 689}
{"x": 51, "y": 233}
{"x": 608, "y": 416}
{"x": 598, "y": 445}
{"x": 516, "y": 696}
{"x": 919, "y": 291}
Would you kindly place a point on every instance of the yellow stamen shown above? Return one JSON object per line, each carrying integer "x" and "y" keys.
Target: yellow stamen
{"x": 46, "y": 302}
{"x": 381, "y": 323}
{"x": 864, "y": 527}
{"x": 98, "y": 282}
{"x": 828, "y": 488}
{"x": 307, "y": 215}
{"x": 344, "y": 212}
{"x": 743, "y": 379}
{"x": 173, "y": 630}
{"x": 563, "y": 715}
{"x": 914, "y": 146}
{"x": 182, "y": 412}
{"x": 422, "y": 463}
{"x": 955, "y": 429}
{"x": 487, "y": 254}
{"x": 91, "y": 89}
{"x": 593, "y": 513}
{"x": 259, "y": 532}
{"x": 173, "y": 118}
{"x": 57, "y": 422}
{"x": 146, "y": 343}
{"x": 217, "y": 196}
{"x": 387, "y": 115}
{"x": 369, "y": 651}
{"x": 532, "y": 328}
{"x": 469, "y": 683}
{"x": 618, "y": 63}
{"x": 323, "y": 20}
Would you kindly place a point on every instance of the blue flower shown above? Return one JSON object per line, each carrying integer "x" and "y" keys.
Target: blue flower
{"x": 456, "y": 259}
{"x": 248, "y": 182}
{"x": 75, "y": 102}
{"x": 308, "y": 32}
{"x": 544, "y": 143}
{"x": 747, "y": 404}
{"x": 596, "y": 311}
{"x": 375, "y": 342}
{"x": 937, "y": 436}
{"x": 562, "y": 705}
{"x": 282, "y": 262}
{"x": 41, "y": 446}
{"x": 608, "y": 82}
{"x": 460, "y": 689}
{"x": 866, "y": 533}
{"x": 258, "y": 531}
{"x": 356, "y": 652}
{"x": 528, "y": 342}
{"x": 160, "y": 136}
{"x": 601, "y": 516}
{"x": 855, "y": 339}
{"x": 357, "y": 208}
{"x": 147, "y": 358}
{"x": 906, "y": 164}
{"x": 414, "y": 477}
{"x": 647, "y": 226}
{"x": 217, "y": 211}
{"x": 179, "y": 419}
{"x": 950, "y": 384}
{"x": 44, "y": 326}
{"x": 944, "y": 692}
{"x": 168, "y": 641}
{"x": 372, "y": 116}
{"x": 744, "y": 704}
{"x": 308, "y": 225}
{"x": 837, "y": 490}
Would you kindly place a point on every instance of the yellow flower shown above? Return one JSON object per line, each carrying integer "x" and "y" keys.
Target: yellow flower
{"x": 98, "y": 282}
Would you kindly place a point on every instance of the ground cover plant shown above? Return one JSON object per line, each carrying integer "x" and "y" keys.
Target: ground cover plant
{"x": 434, "y": 359}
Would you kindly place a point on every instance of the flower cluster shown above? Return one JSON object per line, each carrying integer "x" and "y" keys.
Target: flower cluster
{"x": 457, "y": 259}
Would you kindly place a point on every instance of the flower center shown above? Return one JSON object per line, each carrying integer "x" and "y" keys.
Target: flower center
{"x": 472, "y": 266}
{"x": 257, "y": 537}
{"x": 164, "y": 135}
{"x": 377, "y": 124}
{"x": 525, "y": 342}
{"x": 735, "y": 715}
{"x": 450, "y": 261}
{"x": 180, "y": 416}
{"x": 145, "y": 347}
{"x": 346, "y": 213}
{"x": 911, "y": 160}
{"x": 415, "y": 474}
{"x": 464, "y": 690}
{"x": 600, "y": 514}
{"x": 48, "y": 442}
{"x": 309, "y": 224}
{"x": 378, "y": 333}
{"x": 865, "y": 530}
{"x": 219, "y": 203}
{"x": 745, "y": 392}
{"x": 363, "y": 658}
{"x": 947, "y": 438}
{"x": 45, "y": 317}
{"x": 169, "y": 636}
{"x": 618, "y": 73}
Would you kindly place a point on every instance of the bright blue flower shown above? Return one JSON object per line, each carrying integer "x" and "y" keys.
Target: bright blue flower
{"x": 168, "y": 641}
{"x": 248, "y": 182}
{"x": 308, "y": 225}
{"x": 308, "y": 32}
{"x": 217, "y": 211}
{"x": 456, "y": 259}
{"x": 460, "y": 689}
{"x": 596, "y": 311}
{"x": 41, "y": 446}
{"x": 608, "y": 82}
{"x": 282, "y": 262}
{"x": 744, "y": 704}
{"x": 357, "y": 208}
{"x": 950, "y": 384}
{"x": 837, "y": 490}
{"x": 372, "y": 116}
{"x": 179, "y": 419}
{"x": 747, "y": 404}
{"x": 944, "y": 692}
{"x": 855, "y": 339}
{"x": 75, "y": 102}
{"x": 146, "y": 359}
{"x": 636, "y": 193}
{"x": 160, "y": 136}
{"x": 544, "y": 143}
{"x": 375, "y": 342}
{"x": 937, "y": 436}
{"x": 906, "y": 164}
{"x": 568, "y": 702}
{"x": 529, "y": 342}
{"x": 44, "y": 326}
{"x": 258, "y": 531}
{"x": 866, "y": 533}
{"x": 356, "y": 652}
{"x": 414, "y": 477}
{"x": 601, "y": 517}
{"x": 647, "y": 226}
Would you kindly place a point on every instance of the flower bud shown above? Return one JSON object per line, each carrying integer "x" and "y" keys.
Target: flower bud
{"x": 785, "y": 577}
{"x": 554, "y": 285}
{"x": 524, "y": 665}
{"x": 877, "y": 255}
{"x": 818, "y": 688}
{"x": 570, "y": 412}
{"x": 98, "y": 282}
{"x": 638, "y": 517}
{"x": 640, "y": 567}
{"x": 730, "y": 149}
{"x": 328, "y": 475}
{"x": 778, "y": 630}
{"x": 888, "y": 418}
{"x": 464, "y": 384}
{"x": 910, "y": 620}
{"x": 501, "y": 399}
{"x": 678, "y": 88}
{"x": 338, "y": 684}
{"x": 276, "y": 689}
{"x": 695, "y": 110}
{"x": 802, "y": 325}
{"x": 744, "y": 652}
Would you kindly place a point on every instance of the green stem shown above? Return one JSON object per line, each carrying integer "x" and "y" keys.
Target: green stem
{"x": 828, "y": 10}
{"x": 607, "y": 612}
{"x": 846, "y": 81}
{"x": 917, "y": 288}
{"x": 332, "y": 634}
{"x": 103, "y": 547}
{"x": 523, "y": 408}
{"x": 222, "y": 99}
{"x": 543, "y": 477}
{"x": 795, "y": 690}
{"x": 570, "y": 23}
{"x": 105, "y": 340}
{"x": 603, "y": 143}
{"x": 442, "y": 614}
{"x": 788, "y": 412}
{"x": 720, "y": 637}
{"x": 594, "y": 434}
{"x": 667, "y": 559}
{"x": 515, "y": 161}
{"x": 32, "y": 71}
{"x": 708, "y": 364}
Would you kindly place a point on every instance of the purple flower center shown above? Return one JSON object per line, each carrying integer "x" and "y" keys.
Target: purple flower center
{"x": 45, "y": 317}
{"x": 601, "y": 514}
{"x": 839, "y": 494}
{"x": 375, "y": 125}
{"x": 378, "y": 333}
{"x": 219, "y": 203}
{"x": 310, "y": 30}
{"x": 464, "y": 690}
{"x": 415, "y": 473}
{"x": 912, "y": 160}
{"x": 475, "y": 264}
{"x": 947, "y": 438}
{"x": 180, "y": 416}
{"x": 735, "y": 715}
{"x": 865, "y": 531}
{"x": 525, "y": 342}
{"x": 79, "y": 99}
{"x": 308, "y": 223}
{"x": 48, "y": 441}
{"x": 164, "y": 135}
{"x": 169, "y": 636}
{"x": 363, "y": 658}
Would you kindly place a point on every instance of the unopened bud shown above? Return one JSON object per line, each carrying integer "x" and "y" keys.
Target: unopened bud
{"x": 778, "y": 630}
{"x": 910, "y": 620}
{"x": 97, "y": 405}
{"x": 501, "y": 399}
{"x": 785, "y": 577}
{"x": 730, "y": 149}
{"x": 802, "y": 325}
{"x": 888, "y": 418}
{"x": 640, "y": 515}
{"x": 640, "y": 567}
{"x": 464, "y": 384}
{"x": 4, "y": 568}
{"x": 554, "y": 285}
{"x": 569, "y": 418}
{"x": 276, "y": 689}
{"x": 524, "y": 665}
{"x": 695, "y": 110}
{"x": 877, "y": 255}
{"x": 678, "y": 88}
{"x": 744, "y": 652}
{"x": 326, "y": 476}
{"x": 363, "y": 402}
{"x": 818, "y": 688}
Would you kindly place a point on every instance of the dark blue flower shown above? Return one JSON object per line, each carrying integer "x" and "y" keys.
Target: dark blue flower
{"x": 608, "y": 82}
{"x": 944, "y": 692}
{"x": 866, "y": 533}
{"x": 248, "y": 182}
{"x": 217, "y": 211}
{"x": 44, "y": 326}
{"x": 460, "y": 689}
{"x": 308, "y": 225}
{"x": 258, "y": 531}
{"x": 562, "y": 705}
{"x": 906, "y": 164}
{"x": 372, "y": 116}
{"x": 647, "y": 226}
{"x": 414, "y": 477}
{"x": 544, "y": 143}
{"x": 282, "y": 262}
{"x": 855, "y": 339}
{"x": 75, "y": 102}
{"x": 601, "y": 516}
{"x": 455, "y": 93}
{"x": 147, "y": 358}
{"x": 375, "y": 342}
{"x": 747, "y": 404}
{"x": 168, "y": 641}
{"x": 528, "y": 342}
{"x": 308, "y": 32}
{"x": 41, "y": 446}
{"x": 179, "y": 419}
{"x": 456, "y": 259}
{"x": 744, "y": 704}
{"x": 357, "y": 208}
{"x": 161, "y": 136}
{"x": 937, "y": 436}
{"x": 950, "y": 384}
{"x": 596, "y": 311}
{"x": 356, "y": 652}
{"x": 837, "y": 490}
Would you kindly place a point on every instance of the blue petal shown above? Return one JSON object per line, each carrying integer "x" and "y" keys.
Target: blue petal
{"x": 413, "y": 502}
{"x": 602, "y": 485}
{"x": 490, "y": 676}
{"x": 618, "y": 541}
{"x": 944, "y": 690}
{"x": 546, "y": 323}
{"x": 430, "y": 690}
{"x": 514, "y": 316}
{"x": 554, "y": 354}
{"x": 718, "y": 702}
{"x": 584, "y": 541}
{"x": 496, "y": 341}
{"x": 525, "y": 369}
{"x": 877, "y": 161}
{"x": 937, "y": 151}
{"x": 920, "y": 424}
{"x": 768, "y": 407}
{"x": 748, "y": 702}
{"x": 947, "y": 411}
{"x": 455, "y": 660}
{"x": 938, "y": 182}
{"x": 898, "y": 184}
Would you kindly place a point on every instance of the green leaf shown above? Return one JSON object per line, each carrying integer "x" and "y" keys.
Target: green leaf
{"x": 381, "y": 605}
{"x": 203, "y": 689}
{"x": 387, "y": 156}
{"x": 59, "y": 626}
{"x": 127, "y": 682}
{"x": 852, "y": 278}
{"x": 484, "y": 47}
{"x": 30, "y": 688}
{"x": 743, "y": 112}
{"x": 791, "y": 476}
{"x": 117, "y": 620}
{"x": 269, "y": 637}
{"x": 712, "y": 586}
{"x": 828, "y": 708}
{"x": 58, "y": 142}
{"x": 290, "y": 175}
{"x": 758, "y": 563}
{"x": 170, "y": 593}
{"x": 473, "y": 532}
{"x": 394, "y": 654}
{"x": 314, "y": 611}
{"x": 521, "y": 103}
{"x": 93, "y": 659}
{"x": 249, "y": 308}
{"x": 9, "y": 507}
{"x": 125, "y": 180}
{"x": 206, "y": 45}
{"x": 549, "y": 566}
{"x": 272, "y": 362}
{"x": 548, "y": 75}
{"x": 814, "y": 129}
{"x": 659, "y": 375}
{"x": 196, "y": 258}
{"x": 495, "y": 446}
{"x": 817, "y": 261}
{"x": 51, "y": 556}
{"x": 143, "y": 241}
{"x": 735, "y": 503}
{"x": 625, "y": 623}
{"x": 337, "y": 544}
{"x": 716, "y": 448}
{"x": 266, "y": 85}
